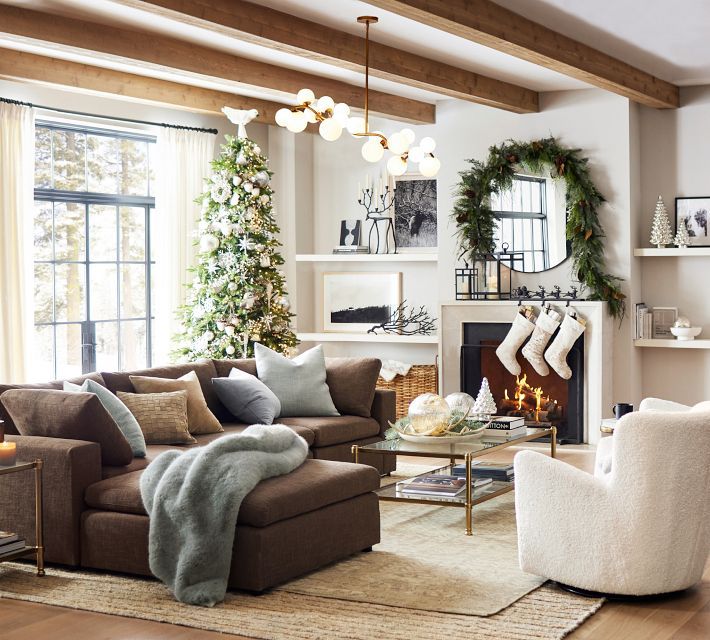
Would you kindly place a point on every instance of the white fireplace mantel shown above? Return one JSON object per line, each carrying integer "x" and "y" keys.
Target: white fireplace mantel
{"x": 598, "y": 343}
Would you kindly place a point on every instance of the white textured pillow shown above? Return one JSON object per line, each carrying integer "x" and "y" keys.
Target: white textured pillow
{"x": 299, "y": 384}
{"x": 701, "y": 407}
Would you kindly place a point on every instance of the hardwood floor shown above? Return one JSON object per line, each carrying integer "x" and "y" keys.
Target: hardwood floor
{"x": 685, "y": 617}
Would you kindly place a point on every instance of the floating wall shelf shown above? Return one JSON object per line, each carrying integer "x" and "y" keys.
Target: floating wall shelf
{"x": 367, "y": 257}
{"x": 673, "y": 344}
{"x": 366, "y": 337}
{"x": 672, "y": 252}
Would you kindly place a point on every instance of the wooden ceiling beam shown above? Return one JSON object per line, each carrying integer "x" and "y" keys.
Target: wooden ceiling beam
{"x": 489, "y": 24}
{"x": 35, "y": 69}
{"x": 282, "y": 32}
{"x": 163, "y": 53}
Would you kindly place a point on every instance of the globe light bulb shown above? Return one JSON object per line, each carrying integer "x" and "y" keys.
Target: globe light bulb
{"x": 330, "y": 130}
{"x": 355, "y": 125}
{"x": 416, "y": 154}
{"x": 396, "y": 166}
{"x": 397, "y": 144}
{"x": 341, "y": 109}
{"x": 325, "y": 103}
{"x": 372, "y": 150}
{"x": 427, "y": 145}
{"x": 409, "y": 135}
{"x": 283, "y": 117}
{"x": 305, "y": 95}
{"x": 310, "y": 116}
{"x": 298, "y": 122}
{"x": 429, "y": 167}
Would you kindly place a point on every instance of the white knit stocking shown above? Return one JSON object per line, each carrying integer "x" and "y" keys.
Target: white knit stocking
{"x": 556, "y": 355}
{"x": 521, "y": 329}
{"x": 546, "y": 325}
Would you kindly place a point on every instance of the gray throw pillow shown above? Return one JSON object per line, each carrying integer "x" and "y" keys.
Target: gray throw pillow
{"x": 299, "y": 384}
{"x": 118, "y": 411}
{"x": 248, "y": 399}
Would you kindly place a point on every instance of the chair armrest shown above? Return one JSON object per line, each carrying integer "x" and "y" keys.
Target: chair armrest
{"x": 384, "y": 408}
{"x": 656, "y": 404}
{"x": 70, "y": 466}
{"x": 602, "y": 461}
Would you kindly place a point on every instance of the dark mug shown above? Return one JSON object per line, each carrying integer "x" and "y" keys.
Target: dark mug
{"x": 622, "y": 409}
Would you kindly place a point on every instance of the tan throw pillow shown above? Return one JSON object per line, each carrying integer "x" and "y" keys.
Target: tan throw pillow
{"x": 199, "y": 418}
{"x": 162, "y": 416}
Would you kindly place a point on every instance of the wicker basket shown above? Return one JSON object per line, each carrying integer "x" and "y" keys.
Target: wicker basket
{"x": 422, "y": 378}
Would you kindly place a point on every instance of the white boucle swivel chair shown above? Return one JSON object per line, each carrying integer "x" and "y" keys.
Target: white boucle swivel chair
{"x": 642, "y": 528}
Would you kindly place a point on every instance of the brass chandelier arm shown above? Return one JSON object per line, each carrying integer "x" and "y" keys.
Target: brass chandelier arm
{"x": 383, "y": 139}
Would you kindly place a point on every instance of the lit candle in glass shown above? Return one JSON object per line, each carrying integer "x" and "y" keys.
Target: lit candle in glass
{"x": 8, "y": 454}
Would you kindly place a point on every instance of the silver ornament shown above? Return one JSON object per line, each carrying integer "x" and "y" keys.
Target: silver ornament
{"x": 261, "y": 179}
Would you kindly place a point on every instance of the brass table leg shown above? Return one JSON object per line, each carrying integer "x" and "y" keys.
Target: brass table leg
{"x": 553, "y": 442}
{"x": 354, "y": 450}
{"x": 469, "y": 495}
{"x": 39, "y": 538}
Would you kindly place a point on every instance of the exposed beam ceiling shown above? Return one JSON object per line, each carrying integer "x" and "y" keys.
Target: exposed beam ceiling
{"x": 158, "y": 52}
{"x": 491, "y": 25}
{"x": 281, "y": 31}
{"x": 28, "y": 67}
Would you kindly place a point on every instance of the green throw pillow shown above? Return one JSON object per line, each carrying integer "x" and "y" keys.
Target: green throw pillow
{"x": 118, "y": 411}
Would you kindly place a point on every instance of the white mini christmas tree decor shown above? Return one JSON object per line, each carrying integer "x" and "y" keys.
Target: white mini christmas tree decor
{"x": 682, "y": 238}
{"x": 661, "y": 233}
{"x": 485, "y": 405}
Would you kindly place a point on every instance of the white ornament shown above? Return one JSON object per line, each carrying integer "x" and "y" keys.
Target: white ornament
{"x": 460, "y": 401}
{"x": 237, "y": 229}
{"x": 225, "y": 228}
{"x": 241, "y": 159}
{"x": 285, "y": 302}
{"x": 485, "y": 405}
{"x": 661, "y": 234}
{"x": 229, "y": 330}
{"x": 234, "y": 200}
{"x": 246, "y": 245}
{"x": 230, "y": 350}
{"x": 236, "y": 181}
{"x": 232, "y": 286}
{"x": 261, "y": 179}
{"x": 209, "y": 336}
{"x": 265, "y": 261}
{"x": 208, "y": 243}
{"x": 264, "y": 198}
{"x": 257, "y": 149}
{"x": 220, "y": 192}
{"x": 220, "y": 325}
{"x": 248, "y": 187}
{"x": 255, "y": 191}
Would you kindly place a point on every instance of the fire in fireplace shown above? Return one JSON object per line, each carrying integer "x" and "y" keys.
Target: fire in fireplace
{"x": 542, "y": 400}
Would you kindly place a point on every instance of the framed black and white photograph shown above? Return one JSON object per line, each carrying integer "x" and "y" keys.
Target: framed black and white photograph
{"x": 350, "y": 233}
{"x": 415, "y": 213}
{"x": 354, "y": 302}
{"x": 693, "y": 213}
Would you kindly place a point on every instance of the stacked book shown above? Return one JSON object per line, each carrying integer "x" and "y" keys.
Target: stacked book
{"x": 10, "y": 542}
{"x": 499, "y": 471}
{"x": 505, "y": 427}
{"x": 438, "y": 485}
{"x": 351, "y": 249}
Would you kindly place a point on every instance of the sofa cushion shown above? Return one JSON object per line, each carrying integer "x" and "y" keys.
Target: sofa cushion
{"x": 199, "y": 418}
{"x": 332, "y": 430}
{"x": 352, "y": 383}
{"x": 247, "y": 398}
{"x": 120, "y": 381}
{"x": 315, "y": 484}
{"x": 162, "y": 416}
{"x": 74, "y": 416}
{"x": 224, "y": 367}
{"x": 299, "y": 383}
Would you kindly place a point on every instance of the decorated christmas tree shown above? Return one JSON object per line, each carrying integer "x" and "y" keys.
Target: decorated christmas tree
{"x": 485, "y": 405}
{"x": 238, "y": 294}
{"x": 661, "y": 233}
{"x": 682, "y": 237}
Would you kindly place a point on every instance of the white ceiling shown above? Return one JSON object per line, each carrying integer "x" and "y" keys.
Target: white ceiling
{"x": 668, "y": 39}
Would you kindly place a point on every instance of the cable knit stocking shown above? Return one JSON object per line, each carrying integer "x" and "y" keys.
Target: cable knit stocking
{"x": 546, "y": 325}
{"x": 521, "y": 329}
{"x": 556, "y": 355}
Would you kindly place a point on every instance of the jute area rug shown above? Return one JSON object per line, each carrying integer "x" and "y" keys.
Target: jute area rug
{"x": 425, "y": 580}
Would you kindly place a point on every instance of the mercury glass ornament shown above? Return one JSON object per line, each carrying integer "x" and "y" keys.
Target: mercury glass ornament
{"x": 682, "y": 323}
{"x": 460, "y": 401}
{"x": 428, "y": 412}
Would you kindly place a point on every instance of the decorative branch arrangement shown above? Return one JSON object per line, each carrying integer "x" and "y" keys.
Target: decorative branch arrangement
{"x": 407, "y": 321}
{"x": 379, "y": 210}
{"x": 477, "y": 222}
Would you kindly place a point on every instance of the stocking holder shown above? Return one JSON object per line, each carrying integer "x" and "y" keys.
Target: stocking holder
{"x": 523, "y": 294}
{"x": 376, "y": 214}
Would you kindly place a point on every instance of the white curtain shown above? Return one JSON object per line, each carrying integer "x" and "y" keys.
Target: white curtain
{"x": 183, "y": 162}
{"x": 16, "y": 206}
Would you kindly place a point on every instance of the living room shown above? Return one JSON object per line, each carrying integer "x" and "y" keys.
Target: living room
{"x": 281, "y": 282}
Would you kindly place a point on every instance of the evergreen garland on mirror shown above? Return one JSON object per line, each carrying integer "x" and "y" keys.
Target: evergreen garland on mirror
{"x": 238, "y": 294}
{"x": 476, "y": 221}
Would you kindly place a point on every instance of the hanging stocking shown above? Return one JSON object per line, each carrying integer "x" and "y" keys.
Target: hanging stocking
{"x": 521, "y": 329}
{"x": 556, "y": 356}
{"x": 546, "y": 325}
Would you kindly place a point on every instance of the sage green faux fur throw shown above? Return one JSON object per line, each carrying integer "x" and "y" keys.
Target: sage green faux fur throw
{"x": 193, "y": 498}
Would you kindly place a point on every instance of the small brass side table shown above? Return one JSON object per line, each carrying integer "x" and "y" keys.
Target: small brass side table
{"x": 38, "y": 549}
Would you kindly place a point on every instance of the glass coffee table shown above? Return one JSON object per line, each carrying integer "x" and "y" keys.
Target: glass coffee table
{"x": 453, "y": 452}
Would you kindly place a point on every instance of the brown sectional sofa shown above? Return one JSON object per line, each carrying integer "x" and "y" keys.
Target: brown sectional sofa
{"x": 320, "y": 513}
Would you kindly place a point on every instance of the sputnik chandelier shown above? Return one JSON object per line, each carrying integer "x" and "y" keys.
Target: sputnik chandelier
{"x": 333, "y": 118}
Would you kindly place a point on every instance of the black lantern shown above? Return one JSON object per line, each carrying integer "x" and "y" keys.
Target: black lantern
{"x": 490, "y": 276}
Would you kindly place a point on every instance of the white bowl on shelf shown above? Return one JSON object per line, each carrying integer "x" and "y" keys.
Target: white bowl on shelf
{"x": 686, "y": 333}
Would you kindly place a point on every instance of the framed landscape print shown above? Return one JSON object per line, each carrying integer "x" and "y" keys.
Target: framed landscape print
{"x": 354, "y": 302}
{"x": 415, "y": 213}
{"x": 694, "y": 213}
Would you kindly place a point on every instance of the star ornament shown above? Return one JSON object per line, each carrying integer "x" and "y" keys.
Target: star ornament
{"x": 245, "y": 244}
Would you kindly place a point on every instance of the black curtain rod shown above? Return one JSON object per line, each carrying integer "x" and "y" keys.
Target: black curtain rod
{"x": 116, "y": 118}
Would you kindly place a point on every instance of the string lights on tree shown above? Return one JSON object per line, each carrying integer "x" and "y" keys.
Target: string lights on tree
{"x": 333, "y": 118}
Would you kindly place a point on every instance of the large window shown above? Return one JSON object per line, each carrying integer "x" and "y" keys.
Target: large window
{"x": 94, "y": 202}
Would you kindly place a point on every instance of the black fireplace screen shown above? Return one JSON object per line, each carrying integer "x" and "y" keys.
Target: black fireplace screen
{"x": 541, "y": 400}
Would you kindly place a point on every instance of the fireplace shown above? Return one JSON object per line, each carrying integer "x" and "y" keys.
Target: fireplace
{"x": 542, "y": 400}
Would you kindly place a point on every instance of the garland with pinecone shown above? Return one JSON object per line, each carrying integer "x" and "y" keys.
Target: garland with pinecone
{"x": 476, "y": 221}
